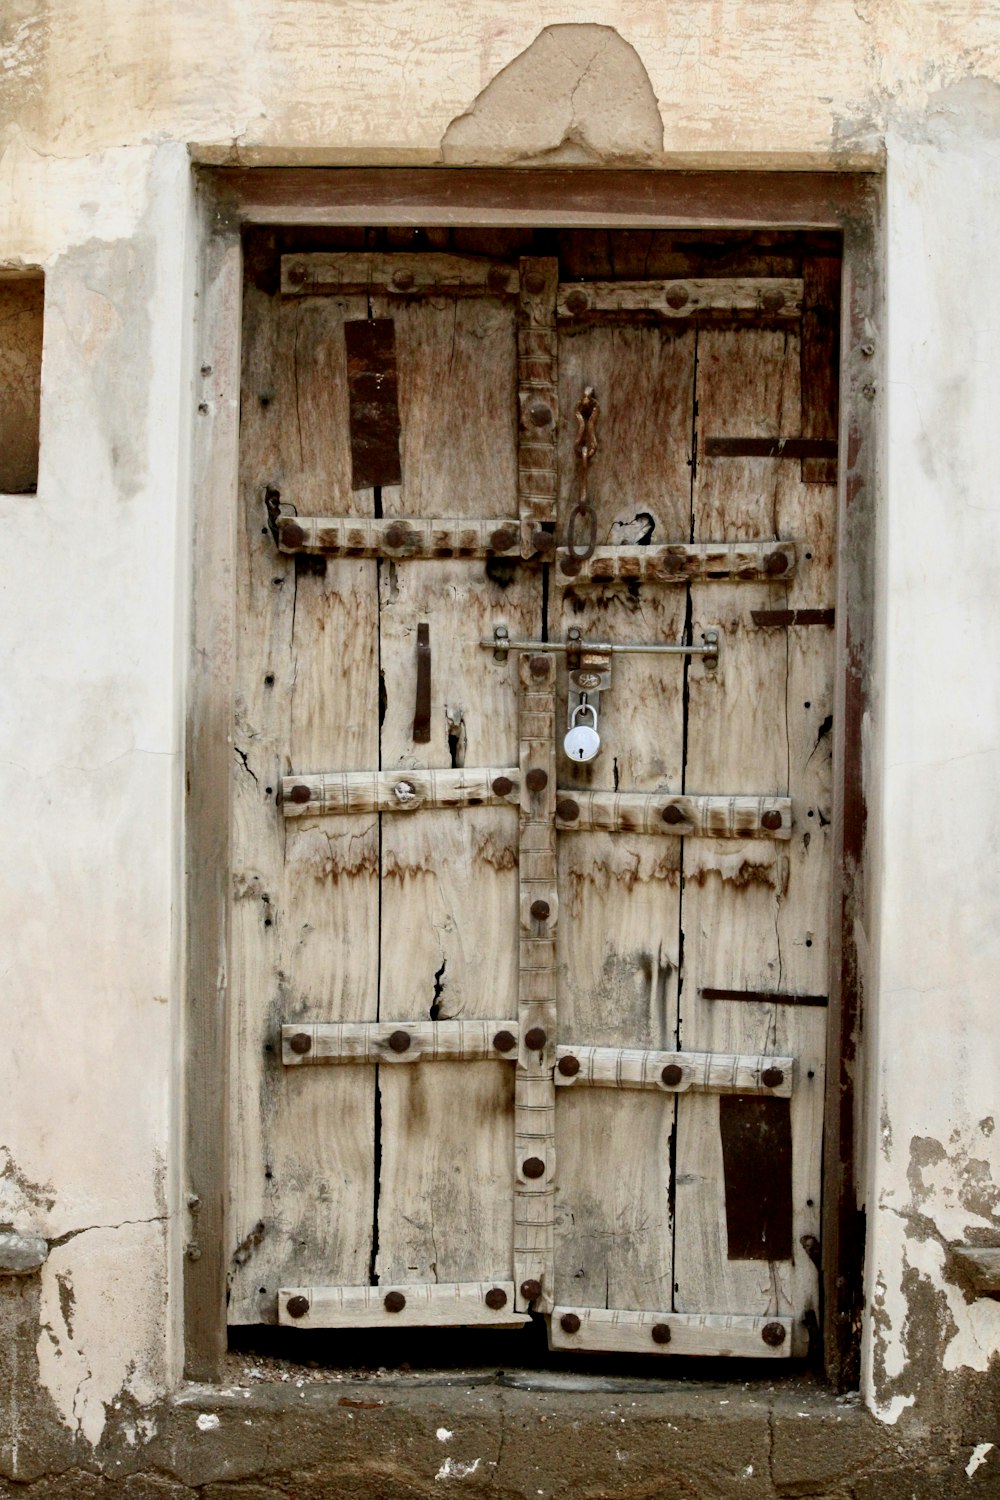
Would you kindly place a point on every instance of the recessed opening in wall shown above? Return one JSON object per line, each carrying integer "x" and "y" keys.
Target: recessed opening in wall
{"x": 21, "y": 305}
{"x": 531, "y": 944}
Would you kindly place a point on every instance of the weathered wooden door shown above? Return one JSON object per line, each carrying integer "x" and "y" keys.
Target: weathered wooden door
{"x": 515, "y": 1033}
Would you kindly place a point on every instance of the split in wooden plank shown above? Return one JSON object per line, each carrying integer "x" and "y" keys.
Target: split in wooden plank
{"x": 398, "y": 1041}
{"x": 763, "y": 296}
{"x": 663, "y": 812}
{"x": 373, "y": 400}
{"x": 674, "y": 1072}
{"x": 770, "y": 447}
{"x": 776, "y": 618}
{"x": 456, "y": 1304}
{"x": 670, "y": 1333}
{"x": 763, "y": 997}
{"x": 676, "y": 562}
{"x": 402, "y": 537}
{"x": 400, "y": 791}
{"x": 538, "y": 404}
{"x": 395, "y": 274}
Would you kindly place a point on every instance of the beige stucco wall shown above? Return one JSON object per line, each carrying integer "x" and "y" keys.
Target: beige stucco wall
{"x": 99, "y": 105}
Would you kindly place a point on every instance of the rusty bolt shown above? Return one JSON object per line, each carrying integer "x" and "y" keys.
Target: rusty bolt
{"x": 773, "y": 301}
{"x": 577, "y": 303}
{"x": 297, "y": 1307}
{"x": 535, "y": 1039}
{"x": 291, "y": 535}
{"x": 394, "y": 1302}
{"x": 676, "y": 296}
{"x": 402, "y": 279}
{"x": 570, "y": 566}
{"x": 504, "y": 1041}
{"x": 569, "y": 1066}
{"x": 771, "y": 1078}
{"x": 660, "y": 1333}
{"x": 567, "y": 810}
{"x": 773, "y": 1334}
{"x": 400, "y": 1041}
{"x": 301, "y": 1043}
{"x": 673, "y": 814}
{"x": 496, "y": 278}
{"x": 540, "y": 911}
{"x": 531, "y": 1290}
{"x": 534, "y": 283}
{"x": 495, "y": 1298}
{"x": 503, "y": 786}
{"x": 296, "y": 275}
{"x": 771, "y": 820}
{"x": 397, "y": 535}
{"x": 299, "y": 793}
{"x": 537, "y": 779}
{"x": 543, "y": 541}
{"x": 569, "y": 1323}
{"x": 538, "y": 666}
{"x": 672, "y": 1073}
{"x": 540, "y": 415}
{"x": 533, "y": 1168}
{"x": 777, "y": 562}
{"x": 503, "y": 539}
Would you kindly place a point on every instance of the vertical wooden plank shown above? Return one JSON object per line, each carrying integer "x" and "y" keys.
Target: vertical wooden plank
{"x": 538, "y": 400}
{"x": 755, "y": 916}
{"x": 618, "y": 939}
{"x": 302, "y": 1181}
{"x": 449, "y": 878}
{"x": 820, "y": 360}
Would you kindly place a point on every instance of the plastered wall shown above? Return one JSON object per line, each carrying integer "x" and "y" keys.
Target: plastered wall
{"x": 99, "y": 105}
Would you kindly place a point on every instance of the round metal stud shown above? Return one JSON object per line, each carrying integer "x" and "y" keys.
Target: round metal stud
{"x": 502, "y": 786}
{"x": 296, "y": 275}
{"x": 533, "y": 1168}
{"x": 567, "y": 810}
{"x": 299, "y": 793}
{"x": 534, "y": 283}
{"x": 776, "y": 563}
{"x": 297, "y": 1307}
{"x": 773, "y": 301}
{"x": 292, "y": 535}
{"x": 496, "y": 278}
{"x": 502, "y": 539}
{"x": 568, "y": 1066}
{"x": 394, "y": 1302}
{"x": 672, "y": 1073}
{"x": 676, "y": 297}
{"x": 397, "y": 535}
{"x": 399, "y": 1041}
{"x": 540, "y": 911}
{"x": 773, "y": 1334}
{"x": 504, "y": 1041}
{"x": 771, "y": 820}
{"x": 577, "y": 303}
{"x": 540, "y": 415}
{"x": 531, "y": 1290}
{"x": 402, "y": 279}
{"x": 772, "y": 1078}
{"x": 301, "y": 1043}
{"x": 538, "y": 666}
{"x": 535, "y": 1039}
{"x": 537, "y": 779}
{"x": 495, "y": 1298}
{"x": 569, "y": 1323}
{"x": 570, "y": 566}
{"x": 673, "y": 814}
{"x": 660, "y": 1333}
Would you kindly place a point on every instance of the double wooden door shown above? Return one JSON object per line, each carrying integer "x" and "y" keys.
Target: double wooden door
{"x": 516, "y": 1034}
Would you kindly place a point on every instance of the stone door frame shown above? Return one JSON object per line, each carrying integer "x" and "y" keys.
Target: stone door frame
{"x": 231, "y": 198}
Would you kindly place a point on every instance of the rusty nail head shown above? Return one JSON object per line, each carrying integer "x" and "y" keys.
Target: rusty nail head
{"x": 771, "y": 1078}
{"x": 291, "y": 535}
{"x": 301, "y": 1042}
{"x": 297, "y": 1307}
{"x": 673, "y": 814}
{"x": 569, "y": 1323}
{"x": 504, "y": 1041}
{"x": 676, "y": 296}
{"x": 569, "y": 1066}
{"x": 402, "y": 279}
{"x": 537, "y": 779}
{"x": 660, "y": 1333}
{"x": 672, "y": 1073}
{"x": 773, "y": 301}
{"x": 773, "y": 1334}
{"x": 771, "y": 820}
{"x": 534, "y": 1167}
{"x": 577, "y": 302}
{"x": 534, "y": 283}
{"x": 299, "y": 793}
{"x": 568, "y": 810}
{"x": 570, "y": 566}
{"x": 535, "y": 1039}
{"x": 503, "y": 539}
{"x": 531, "y": 1290}
{"x": 296, "y": 275}
{"x": 540, "y": 911}
{"x": 502, "y": 786}
{"x": 495, "y": 1298}
{"x": 540, "y": 414}
{"x": 496, "y": 278}
{"x": 868, "y": 348}
{"x": 538, "y": 666}
{"x": 777, "y": 562}
{"x": 400, "y": 1041}
{"x": 397, "y": 535}
{"x": 394, "y": 1302}
{"x": 543, "y": 541}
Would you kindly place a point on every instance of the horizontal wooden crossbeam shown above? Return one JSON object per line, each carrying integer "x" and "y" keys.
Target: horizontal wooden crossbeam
{"x": 400, "y": 538}
{"x": 398, "y": 1041}
{"x": 662, "y": 812}
{"x": 670, "y": 1332}
{"x": 395, "y": 274}
{"x": 673, "y": 1072}
{"x": 777, "y": 297}
{"x": 677, "y": 562}
{"x": 398, "y": 791}
{"x": 445, "y": 1304}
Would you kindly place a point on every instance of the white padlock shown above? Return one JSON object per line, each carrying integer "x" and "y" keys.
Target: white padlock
{"x": 582, "y": 741}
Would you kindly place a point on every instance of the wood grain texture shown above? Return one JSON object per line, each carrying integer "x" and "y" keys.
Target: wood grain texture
{"x": 700, "y": 1072}
{"x": 437, "y": 1304}
{"x": 302, "y": 1182}
{"x": 403, "y": 791}
{"x": 676, "y": 562}
{"x": 820, "y": 360}
{"x": 778, "y": 298}
{"x": 399, "y": 538}
{"x": 399, "y": 1042}
{"x": 538, "y": 401}
{"x": 722, "y": 1334}
{"x": 395, "y": 274}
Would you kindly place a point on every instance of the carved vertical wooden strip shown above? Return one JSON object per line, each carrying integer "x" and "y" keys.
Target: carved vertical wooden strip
{"x": 820, "y": 360}
{"x": 534, "y": 1100}
{"x": 538, "y": 399}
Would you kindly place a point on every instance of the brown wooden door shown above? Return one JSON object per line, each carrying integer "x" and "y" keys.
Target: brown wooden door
{"x": 515, "y": 1034}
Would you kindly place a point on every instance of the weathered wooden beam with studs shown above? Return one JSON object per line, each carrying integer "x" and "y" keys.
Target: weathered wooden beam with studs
{"x": 394, "y": 273}
{"x": 663, "y": 812}
{"x": 674, "y": 1072}
{"x": 402, "y": 1042}
{"x": 442, "y": 1304}
{"x": 400, "y": 538}
{"x": 776, "y": 297}
{"x": 677, "y": 562}
{"x": 398, "y": 791}
{"x": 667, "y": 1332}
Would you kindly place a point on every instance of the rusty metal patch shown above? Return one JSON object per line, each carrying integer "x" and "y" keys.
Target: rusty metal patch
{"x": 373, "y": 397}
{"x": 757, "y": 1166}
{"x": 422, "y": 710}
